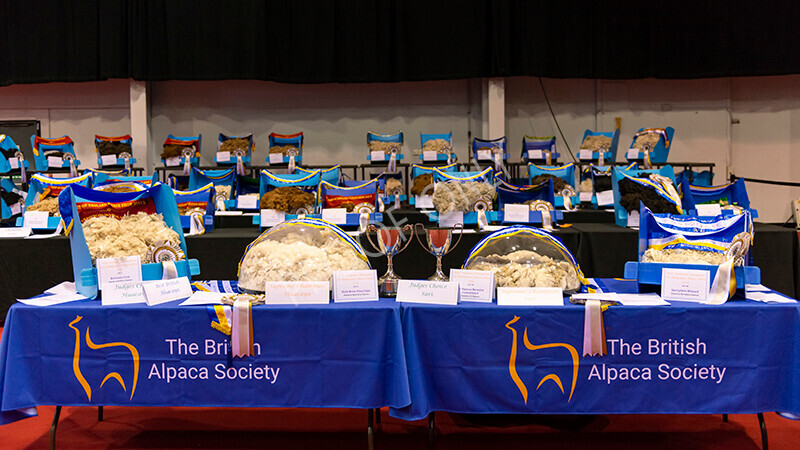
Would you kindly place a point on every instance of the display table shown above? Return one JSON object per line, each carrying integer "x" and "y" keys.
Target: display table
{"x": 740, "y": 357}
{"x": 83, "y": 354}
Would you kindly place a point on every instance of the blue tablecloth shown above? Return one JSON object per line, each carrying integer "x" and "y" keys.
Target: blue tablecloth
{"x": 337, "y": 355}
{"x": 740, "y": 357}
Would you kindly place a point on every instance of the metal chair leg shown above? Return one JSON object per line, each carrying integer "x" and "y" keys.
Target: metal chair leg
{"x": 725, "y": 418}
{"x": 378, "y": 418}
{"x": 764, "y": 441}
{"x": 53, "y": 428}
{"x": 431, "y": 429}
{"x": 370, "y": 433}
{"x": 99, "y": 413}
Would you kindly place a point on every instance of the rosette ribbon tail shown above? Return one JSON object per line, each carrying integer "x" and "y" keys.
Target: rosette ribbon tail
{"x": 187, "y": 165}
{"x": 73, "y": 171}
{"x": 239, "y": 166}
{"x": 168, "y": 270}
{"x": 242, "y": 329}
{"x": 291, "y": 164}
{"x": 594, "y": 334}
{"x": 196, "y": 226}
{"x": 392, "y": 168}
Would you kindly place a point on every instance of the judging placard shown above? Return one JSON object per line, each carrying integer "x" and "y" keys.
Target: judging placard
{"x": 355, "y": 286}
{"x": 296, "y": 292}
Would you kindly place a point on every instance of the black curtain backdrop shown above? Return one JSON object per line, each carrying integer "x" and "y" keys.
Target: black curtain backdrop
{"x": 322, "y": 41}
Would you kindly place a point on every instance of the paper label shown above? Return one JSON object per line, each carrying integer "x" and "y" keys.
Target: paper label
{"x": 711, "y": 209}
{"x": 172, "y": 162}
{"x": 54, "y": 161}
{"x": 355, "y": 286}
{"x": 586, "y": 196}
{"x": 429, "y": 155}
{"x": 223, "y": 156}
{"x": 162, "y": 291}
{"x": 123, "y": 294}
{"x": 516, "y": 213}
{"x": 15, "y": 232}
{"x": 127, "y": 269}
{"x": 484, "y": 154}
{"x": 633, "y": 219}
{"x": 271, "y": 217}
{"x": 337, "y": 216}
{"x": 474, "y": 285}
{"x": 431, "y": 292}
{"x": 35, "y": 219}
{"x": 450, "y": 220}
{"x": 296, "y": 292}
{"x": 633, "y": 153}
{"x": 16, "y": 208}
{"x": 585, "y": 154}
{"x": 530, "y": 296}
{"x": 276, "y": 158}
{"x": 13, "y": 162}
{"x": 685, "y": 284}
{"x": 108, "y": 160}
{"x": 605, "y": 198}
{"x": 423, "y": 201}
{"x": 535, "y": 154}
{"x": 248, "y": 201}
{"x": 377, "y": 156}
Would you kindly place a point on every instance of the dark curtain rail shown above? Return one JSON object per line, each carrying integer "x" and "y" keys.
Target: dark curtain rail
{"x": 756, "y": 180}
{"x": 324, "y": 41}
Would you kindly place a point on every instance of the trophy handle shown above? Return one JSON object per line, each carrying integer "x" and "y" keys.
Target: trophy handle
{"x": 370, "y": 229}
{"x": 408, "y": 241}
{"x": 417, "y": 228}
{"x": 461, "y": 233}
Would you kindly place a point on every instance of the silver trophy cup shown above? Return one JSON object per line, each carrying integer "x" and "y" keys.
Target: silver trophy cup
{"x": 438, "y": 245}
{"x": 390, "y": 243}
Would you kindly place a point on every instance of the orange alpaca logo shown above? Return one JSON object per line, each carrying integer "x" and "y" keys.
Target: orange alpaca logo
{"x": 115, "y": 375}
{"x": 512, "y": 362}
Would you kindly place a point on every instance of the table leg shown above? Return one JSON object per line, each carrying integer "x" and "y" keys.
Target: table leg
{"x": 99, "y": 413}
{"x": 725, "y": 418}
{"x": 764, "y": 441}
{"x": 431, "y": 429}
{"x": 53, "y": 428}
{"x": 378, "y": 417}
{"x": 370, "y": 443}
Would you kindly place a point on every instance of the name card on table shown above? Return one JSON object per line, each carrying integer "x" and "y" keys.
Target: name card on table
{"x": 108, "y": 160}
{"x": 276, "y": 158}
{"x": 633, "y": 219}
{"x": 127, "y": 269}
{"x": 710, "y": 209}
{"x": 173, "y": 162}
{"x": 54, "y": 161}
{"x": 585, "y": 154}
{"x": 423, "y": 201}
{"x": 685, "y": 285}
{"x": 296, "y": 293}
{"x": 451, "y": 219}
{"x": 535, "y": 154}
{"x": 377, "y": 156}
{"x": 586, "y": 196}
{"x": 248, "y": 201}
{"x": 484, "y": 154}
{"x": 430, "y": 292}
{"x": 530, "y": 296}
{"x": 15, "y": 232}
{"x": 474, "y": 285}
{"x": 605, "y": 198}
{"x": 223, "y": 156}
{"x": 162, "y": 291}
{"x": 429, "y": 155}
{"x": 13, "y": 163}
{"x": 271, "y": 217}
{"x": 355, "y": 286}
{"x": 516, "y": 213}
{"x": 335, "y": 215}
{"x": 36, "y": 219}
{"x": 122, "y": 294}
{"x": 633, "y": 153}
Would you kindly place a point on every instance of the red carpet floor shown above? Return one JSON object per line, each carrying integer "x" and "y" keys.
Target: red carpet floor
{"x": 335, "y": 429}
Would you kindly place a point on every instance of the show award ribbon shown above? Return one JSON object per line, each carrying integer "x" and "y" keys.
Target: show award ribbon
{"x": 168, "y": 270}
{"x": 127, "y": 158}
{"x": 724, "y": 285}
{"x": 363, "y": 222}
{"x": 22, "y": 173}
{"x": 73, "y": 171}
{"x": 483, "y": 221}
{"x": 601, "y": 156}
{"x": 594, "y": 333}
{"x": 196, "y": 226}
{"x": 242, "y": 329}
{"x": 220, "y": 318}
{"x": 392, "y": 168}
{"x": 497, "y": 152}
{"x": 187, "y": 154}
{"x": 292, "y": 154}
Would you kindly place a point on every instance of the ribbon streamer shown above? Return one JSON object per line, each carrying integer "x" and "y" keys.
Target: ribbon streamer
{"x": 291, "y": 164}
{"x": 594, "y": 333}
{"x": 498, "y": 161}
{"x": 168, "y": 270}
{"x": 239, "y": 165}
{"x": 127, "y": 163}
{"x": 601, "y": 157}
{"x": 724, "y": 285}
{"x": 221, "y": 203}
{"x": 363, "y": 222}
{"x": 196, "y": 226}
{"x": 187, "y": 165}
{"x": 73, "y": 172}
{"x": 647, "y": 163}
{"x": 22, "y": 173}
{"x": 548, "y": 157}
{"x": 392, "y": 168}
{"x": 220, "y": 316}
{"x": 483, "y": 222}
{"x": 242, "y": 329}
{"x": 547, "y": 221}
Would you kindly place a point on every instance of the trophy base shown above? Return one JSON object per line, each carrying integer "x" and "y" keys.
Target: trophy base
{"x": 439, "y": 277}
{"x": 388, "y": 287}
